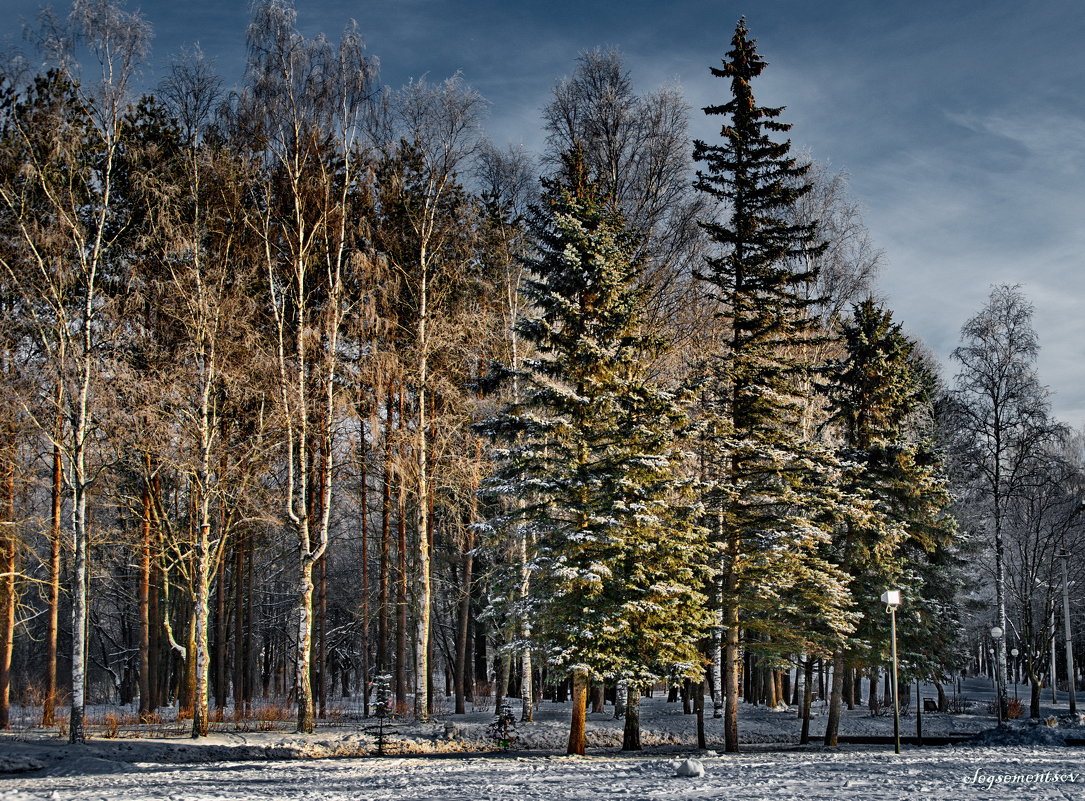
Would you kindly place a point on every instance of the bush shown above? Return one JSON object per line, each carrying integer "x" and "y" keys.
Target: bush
{"x": 1014, "y": 708}
{"x": 482, "y": 699}
{"x": 959, "y": 705}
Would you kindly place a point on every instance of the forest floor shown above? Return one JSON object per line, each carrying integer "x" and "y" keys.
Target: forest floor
{"x": 453, "y": 758}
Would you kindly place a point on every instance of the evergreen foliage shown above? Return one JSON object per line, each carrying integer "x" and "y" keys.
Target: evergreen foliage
{"x": 592, "y": 453}
{"x": 774, "y": 494}
{"x": 880, "y": 397}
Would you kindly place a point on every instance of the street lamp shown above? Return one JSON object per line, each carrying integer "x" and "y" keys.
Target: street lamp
{"x": 996, "y": 635}
{"x": 891, "y": 599}
{"x": 1016, "y": 678}
{"x": 1070, "y": 677}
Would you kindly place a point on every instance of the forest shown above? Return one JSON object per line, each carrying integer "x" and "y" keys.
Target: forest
{"x": 310, "y": 391}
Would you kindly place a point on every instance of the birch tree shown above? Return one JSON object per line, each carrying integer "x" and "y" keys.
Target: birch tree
{"x": 1004, "y": 415}
{"x": 438, "y": 126}
{"x": 69, "y": 134}
{"x": 307, "y": 100}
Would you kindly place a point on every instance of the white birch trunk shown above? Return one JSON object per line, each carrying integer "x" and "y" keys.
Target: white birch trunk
{"x": 425, "y": 603}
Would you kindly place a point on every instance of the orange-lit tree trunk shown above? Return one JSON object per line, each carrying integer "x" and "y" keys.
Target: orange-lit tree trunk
{"x": 580, "y": 712}
{"x": 8, "y": 552}
{"x": 49, "y": 703}
{"x": 146, "y": 679}
{"x": 384, "y": 627}
{"x": 402, "y": 595}
{"x": 363, "y": 480}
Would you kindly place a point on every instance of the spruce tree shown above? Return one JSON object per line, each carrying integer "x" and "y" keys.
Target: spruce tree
{"x": 592, "y": 458}
{"x": 774, "y": 496}
{"x": 878, "y": 394}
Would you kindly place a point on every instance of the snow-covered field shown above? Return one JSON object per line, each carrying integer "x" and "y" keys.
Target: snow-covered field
{"x": 435, "y": 761}
{"x": 850, "y": 773}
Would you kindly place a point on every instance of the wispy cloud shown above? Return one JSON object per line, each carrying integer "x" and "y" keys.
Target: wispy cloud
{"x": 961, "y": 124}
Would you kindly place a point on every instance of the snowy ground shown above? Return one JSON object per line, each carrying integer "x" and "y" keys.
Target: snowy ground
{"x": 851, "y": 773}
{"x": 435, "y": 762}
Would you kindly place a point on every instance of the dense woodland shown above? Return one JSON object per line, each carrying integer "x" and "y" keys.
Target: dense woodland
{"x": 307, "y": 387}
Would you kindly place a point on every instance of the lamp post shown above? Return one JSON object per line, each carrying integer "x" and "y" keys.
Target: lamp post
{"x": 996, "y": 635}
{"x": 891, "y": 599}
{"x": 1070, "y": 676}
{"x": 1016, "y": 677}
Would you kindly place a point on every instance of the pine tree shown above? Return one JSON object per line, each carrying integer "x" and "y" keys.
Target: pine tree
{"x": 593, "y": 456}
{"x": 773, "y": 499}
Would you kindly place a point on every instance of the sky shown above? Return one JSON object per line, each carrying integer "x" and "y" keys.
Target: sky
{"x": 961, "y": 124}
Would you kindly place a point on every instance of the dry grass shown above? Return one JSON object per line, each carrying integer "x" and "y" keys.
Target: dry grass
{"x": 272, "y": 716}
{"x": 261, "y": 715}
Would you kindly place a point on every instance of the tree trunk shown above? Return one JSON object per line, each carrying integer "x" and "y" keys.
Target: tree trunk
{"x": 48, "y": 713}
{"x": 302, "y": 684}
{"x": 201, "y": 614}
{"x": 204, "y": 566}
{"x": 8, "y": 552}
{"x": 598, "y": 698}
{"x": 631, "y": 733}
{"x": 240, "y": 657}
{"x": 77, "y": 721}
{"x": 698, "y": 708}
{"x": 772, "y": 697}
{"x": 872, "y": 698}
{"x": 580, "y": 711}
{"x": 221, "y": 623}
{"x": 526, "y": 690}
{"x": 248, "y": 664}
{"x": 401, "y": 601}
{"x": 425, "y": 592}
{"x": 187, "y": 673}
{"x": 836, "y": 697}
{"x": 717, "y": 672}
{"x": 221, "y": 645}
{"x": 364, "y": 513}
{"x": 384, "y": 626}
{"x": 807, "y": 698}
{"x": 504, "y": 668}
{"x": 943, "y": 702}
{"x": 322, "y": 650}
{"x": 464, "y": 615}
{"x": 732, "y": 662}
{"x": 155, "y": 675}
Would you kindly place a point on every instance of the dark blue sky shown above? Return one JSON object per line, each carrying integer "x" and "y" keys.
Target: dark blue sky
{"x": 961, "y": 124}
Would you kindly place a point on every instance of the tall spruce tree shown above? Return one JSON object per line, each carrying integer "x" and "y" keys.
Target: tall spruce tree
{"x": 592, "y": 457}
{"x": 773, "y": 497}
{"x": 879, "y": 393}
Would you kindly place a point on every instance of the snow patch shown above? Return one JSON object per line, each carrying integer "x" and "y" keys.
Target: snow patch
{"x": 690, "y": 768}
